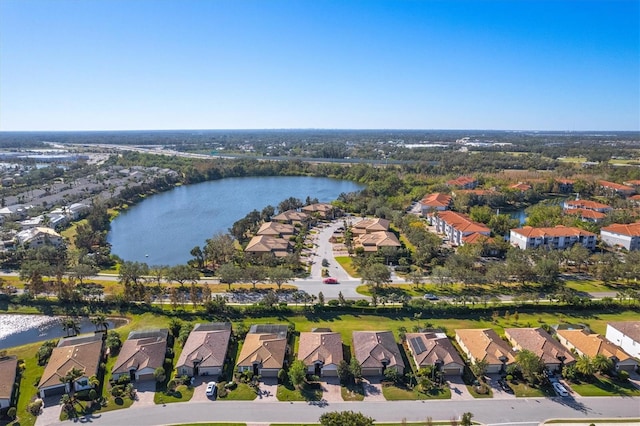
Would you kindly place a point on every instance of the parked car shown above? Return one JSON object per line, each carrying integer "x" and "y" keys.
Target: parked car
{"x": 429, "y": 296}
{"x": 212, "y": 389}
{"x": 560, "y": 390}
{"x": 330, "y": 280}
{"x": 505, "y": 386}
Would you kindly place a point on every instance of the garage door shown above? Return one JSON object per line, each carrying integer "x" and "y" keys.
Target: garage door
{"x": 54, "y": 391}
{"x": 369, "y": 372}
{"x": 452, "y": 371}
{"x": 146, "y": 376}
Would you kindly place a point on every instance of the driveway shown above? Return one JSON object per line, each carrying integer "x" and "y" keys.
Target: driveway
{"x": 331, "y": 389}
{"x": 498, "y": 393}
{"x": 268, "y": 390}
{"x": 199, "y": 389}
{"x": 372, "y": 389}
{"x": 145, "y": 391}
{"x": 459, "y": 391}
{"x": 50, "y": 413}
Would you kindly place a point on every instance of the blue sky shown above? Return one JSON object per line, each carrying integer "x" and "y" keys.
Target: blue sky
{"x": 263, "y": 64}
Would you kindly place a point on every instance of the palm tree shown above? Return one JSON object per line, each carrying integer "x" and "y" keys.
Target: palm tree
{"x": 585, "y": 366}
{"x": 71, "y": 376}
{"x": 70, "y": 326}
{"x": 100, "y": 322}
{"x": 602, "y": 364}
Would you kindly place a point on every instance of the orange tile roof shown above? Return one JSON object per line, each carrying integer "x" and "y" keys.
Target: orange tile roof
{"x": 556, "y": 231}
{"x": 461, "y": 181}
{"x": 266, "y": 349}
{"x": 587, "y": 204}
{"x": 320, "y": 346}
{"x": 628, "y": 229}
{"x": 586, "y": 213}
{"x": 566, "y": 181}
{"x": 479, "y": 192}
{"x": 485, "y": 344}
{"x": 632, "y": 182}
{"x": 520, "y": 186}
{"x": 437, "y": 199}
{"x": 85, "y": 356}
{"x": 593, "y": 344}
{"x": 616, "y": 186}
{"x": 462, "y": 222}
{"x": 538, "y": 341}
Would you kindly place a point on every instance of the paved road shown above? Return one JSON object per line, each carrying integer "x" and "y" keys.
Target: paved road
{"x": 521, "y": 411}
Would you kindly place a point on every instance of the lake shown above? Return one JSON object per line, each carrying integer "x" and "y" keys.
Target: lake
{"x": 17, "y": 329}
{"x": 162, "y": 229}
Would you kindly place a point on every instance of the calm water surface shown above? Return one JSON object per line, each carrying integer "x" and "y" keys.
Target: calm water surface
{"x": 164, "y": 228}
{"x": 16, "y": 329}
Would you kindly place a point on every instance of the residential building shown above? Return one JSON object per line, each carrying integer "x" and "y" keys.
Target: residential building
{"x": 84, "y": 353}
{"x": 141, "y": 354}
{"x": 322, "y": 210}
{"x": 435, "y": 202}
{"x": 205, "y": 351}
{"x": 559, "y": 237}
{"x": 8, "y": 374}
{"x": 587, "y": 205}
{"x": 622, "y": 235}
{"x": 291, "y": 217}
{"x": 591, "y": 344}
{"x": 276, "y": 229}
{"x": 377, "y": 351}
{"x": 457, "y": 226}
{"x": 367, "y": 226}
{"x": 376, "y": 240}
{"x": 565, "y": 186}
{"x": 39, "y": 236}
{"x": 587, "y": 215}
{"x": 520, "y": 186}
{"x": 264, "y": 350}
{"x": 263, "y": 244}
{"x": 616, "y": 188}
{"x": 625, "y": 334}
{"x": 321, "y": 351}
{"x": 463, "y": 182}
{"x": 485, "y": 345}
{"x": 434, "y": 349}
{"x": 541, "y": 343}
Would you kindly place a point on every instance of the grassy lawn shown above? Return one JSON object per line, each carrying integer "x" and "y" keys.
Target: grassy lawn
{"x": 347, "y": 263}
{"x": 308, "y": 392}
{"x": 526, "y": 391}
{"x": 210, "y": 424}
{"x": 587, "y": 422}
{"x": 604, "y": 386}
{"x": 181, "y": 394}
{"x": 28, "y": 382}
{"x": 472, "y": 391}
{"x": 352, "y": 392}
{"x": 587, "y": 286}
{"x": 242, "y": 392}
{"x": 396, "y": 393}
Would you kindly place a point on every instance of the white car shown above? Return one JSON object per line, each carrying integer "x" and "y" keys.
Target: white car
{"x": 560, "y": 390}
{"x": 212, "y": 389}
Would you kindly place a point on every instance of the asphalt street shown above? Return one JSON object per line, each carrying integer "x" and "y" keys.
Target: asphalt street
{"x": 521, "y": 411}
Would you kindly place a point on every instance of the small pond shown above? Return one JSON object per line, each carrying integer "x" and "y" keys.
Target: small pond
{"x": 16, "y": 329}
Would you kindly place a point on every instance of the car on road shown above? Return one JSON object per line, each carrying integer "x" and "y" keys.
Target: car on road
{"x": 429, "y": 296}
{"x": 330, "y": 280}
{"x": 212, "y": 389}
{"x": 560, "y": 390}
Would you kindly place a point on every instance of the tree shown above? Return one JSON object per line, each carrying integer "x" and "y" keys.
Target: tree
{"x": 159, "y": 374}
{"x": 255, "y": 274}
{"x": 344, "y": 372}
{"x": 530, "y": 365}
{"x": 100, "y": 322}
{"x": 219, "y": 249}
{"x": 479, "y": 368}
{"x": 519, "y": 265}
{"x": 198, "y": 256}
{"x": 345, "y": 418}
{"x": 602, "y": 364}
{"x": 83, "y": 270}
{"x": 182, "y": 274}
{"x": 375, "y": 275}
{"x": 297, "y": 373}
{"x": 279, "y": 275}
{"x": 71, "y": 326}
{"x": 355, "y": 369}
{"x": 71, "y": 376}
{"x": 584, "y": 365}
{"x": 578, "y": 254}
{"x": 229, "y": 274}
{"x": 465, "y": 419}
{"x": 113, "y": 342}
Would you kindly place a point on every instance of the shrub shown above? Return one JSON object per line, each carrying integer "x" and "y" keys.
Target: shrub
{"x": 623, "y": 376}
{"x": 333, "y": 302}
{"x": 35, "y": 407}
{"x": 11, "y": 412}
{"x": 231, "y": 385}
{"x": 282, "y": 376}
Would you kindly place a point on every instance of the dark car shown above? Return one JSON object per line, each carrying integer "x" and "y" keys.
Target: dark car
{"x": 504, "y": 386}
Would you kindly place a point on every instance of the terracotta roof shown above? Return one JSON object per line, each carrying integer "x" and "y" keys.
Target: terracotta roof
{"x": 628, "y": 328}
{"x": 634, "y": 182}
{"x": 616, "y": 186}
{"x": 629, "y": 229}
{"x": 538, "y": 341}
{"x": 463, "y": 223}
{"x": 587, "y": 204}
{"x": 477, "y": 238}
{"x": 436, "y": 200}
{"x": 566, "y": 181}
{"x": 427, "y": 348}
{"x": 371, "y": 225}
{"x": 84, "y": 356}
{"x": 266, "y": 349}
{"x": 266, "y": 244}
{"x": 375, "y": 240}
{"x": 148, "y": 351}
{"x": 373, "y": 347}
{"x": 485, "y": 344}
{"x": 318, "y": 207}
{"x": 8, "y": 369}
{"x": 461, "y": 181}
{"x": 556, "y": 231}
{"x": 320, "y": 346}
{"x": 593, "y": 344}
{"x": 479, "y": 192}
{"x": 207, "y": 347}
{"x": 520, "y": 186}
{"x": 276, "y": 229}
{"x": 586, "y": 214}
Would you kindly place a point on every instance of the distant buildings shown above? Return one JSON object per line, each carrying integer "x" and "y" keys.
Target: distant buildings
{"x": 457, "y": 226}
{"x": 556, "y": 238}
{"x": 622, "y": 235}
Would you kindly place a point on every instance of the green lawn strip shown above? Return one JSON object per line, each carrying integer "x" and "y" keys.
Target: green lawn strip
{"x": 209, "y": 424}
{"x": 347, "y": 263}
{"x": 475, "y": 394}
{"x": 438, "y": 423}
{"x": 603, "y": 386}
{"x": 181, "y": 394}
{"x": 526, "y": 391}
{"x": 242, "y": 392}
{"x": 593, "y": 421}
{"x": 586, "y": 286}
{"x": 308, "y": 392}
{"x": 28, "y": 382}
{"x": 396, "y": 393}
{"x": 352, "y": 392}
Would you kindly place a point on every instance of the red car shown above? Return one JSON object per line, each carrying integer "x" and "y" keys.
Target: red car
{"x": 330, "y": 280}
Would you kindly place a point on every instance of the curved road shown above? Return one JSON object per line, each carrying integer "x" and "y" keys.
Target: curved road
{"x": 521, "y": 411}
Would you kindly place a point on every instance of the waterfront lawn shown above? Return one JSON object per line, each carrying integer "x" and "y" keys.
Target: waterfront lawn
{"x": 347, "y": 263}
{"x": 308, "y": 392}
{"x": 352, "y": 392}
{"x": 403, "y": 393}
{"x": 29, "y": 379}
{"x": 605, "y": 386}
